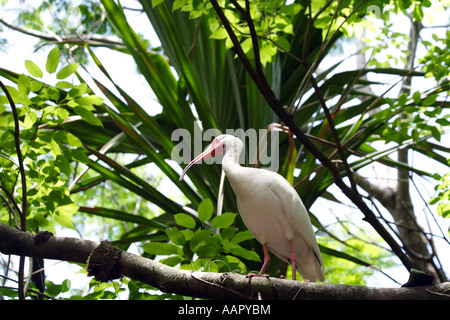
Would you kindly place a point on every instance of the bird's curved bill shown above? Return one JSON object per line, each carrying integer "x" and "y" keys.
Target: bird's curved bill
{"x": 215, "y": 148}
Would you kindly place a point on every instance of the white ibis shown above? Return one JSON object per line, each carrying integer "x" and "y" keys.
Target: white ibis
{"x": 271, "y": 209}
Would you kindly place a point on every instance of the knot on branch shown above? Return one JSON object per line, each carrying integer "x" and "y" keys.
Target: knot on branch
{"x": 103, "y": 262}
{"x": 418, "y": 278}
{"x": 41, "y": 237}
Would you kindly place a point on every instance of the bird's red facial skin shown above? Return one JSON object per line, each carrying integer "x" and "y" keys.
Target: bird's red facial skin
{"x": 215, "y": 148}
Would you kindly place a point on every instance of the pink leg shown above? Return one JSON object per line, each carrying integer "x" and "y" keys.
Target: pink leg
{"x": 264, "y": 266}
{"x": 293, "y": 261}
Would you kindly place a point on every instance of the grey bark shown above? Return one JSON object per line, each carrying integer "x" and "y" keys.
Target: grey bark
{"x": 197, "y": 284}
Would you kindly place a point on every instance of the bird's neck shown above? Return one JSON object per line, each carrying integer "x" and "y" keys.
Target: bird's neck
{"x": 233, "y": 169}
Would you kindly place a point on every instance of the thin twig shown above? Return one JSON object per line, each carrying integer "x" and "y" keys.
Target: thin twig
{"x": 92, "y": 39}
{"x": 310, "y": 69}
{"x": 310, "y": 25}
{"x": 23, "y": 223}
{"x": 23, "y": 217}
{"x": 253, "y": 35}
{"x": 14, "y": 202}
{"x": 194, "y": 42}
{"x": 335, "y": 135}
{"x": 10, "y": 209}
{"x": 39, "y": 293}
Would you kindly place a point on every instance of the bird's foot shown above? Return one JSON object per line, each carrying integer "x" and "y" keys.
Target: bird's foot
{"x": 251, "y": 275}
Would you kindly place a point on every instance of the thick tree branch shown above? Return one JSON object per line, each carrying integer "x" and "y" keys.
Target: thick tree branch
{"x": 197, "y": 284}
{"x": 386, "y": 196}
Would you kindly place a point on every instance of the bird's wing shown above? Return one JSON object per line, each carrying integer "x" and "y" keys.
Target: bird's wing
{"x": 297, "y": 215}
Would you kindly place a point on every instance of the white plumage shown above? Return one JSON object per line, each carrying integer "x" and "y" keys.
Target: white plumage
{"x": 271, "y": 209}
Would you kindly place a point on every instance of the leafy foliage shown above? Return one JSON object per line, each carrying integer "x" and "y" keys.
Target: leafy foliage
{"x": 78, "y": 19}
{"x": 443, "y": 197}
{"x": 47, "y": 154}
{"x": 201, "y": 248}
{"x": 91, "y": 156}
{"x": 437, "y": 58}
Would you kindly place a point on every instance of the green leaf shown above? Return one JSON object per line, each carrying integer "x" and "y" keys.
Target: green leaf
{"x": 54, "y": 148}
{"x": 53, "y": 289}
{"x": 242, "y": 252}
{"x": 24, "y": 86}
{"x": 156, "y": 2}
{"x": 52, "y": 60}
{"x": 78, "y": 90}
{"x": 443, "y": 209}
{"x": 88, "y": 116}
{"x": 291, "y": 9}
{"x": 443, "y": 122}
{"x": 64, "y": 85}
{"x": 224, "y": 220}
{"x": 402, "y": 99}
{"x": 416, "y": 97}
{"x": 80, "y": 156}
{"x": 62, "y": 114}
{"x": 67, "y": 71}
{"x": 227, "y": 233}
{"x": 199, "y": 237}
{"x": 436, "y": 133}
{"x": 418, "y": 12}
{"x": 177, "y": 237}
{"x": 64, "y": 214}
{"x": 207, "y": 251}
{"x": 65, "y": 285}
{"x": 35, "y": 86}
{"x": 177, "y": 4}
{"x": 63, "y": 164}
{"x": 282, "y": 42}
{"x": 33, "y": 69}
{"x": 172, "y": 261}
{"x": 184, "y": 220}
{"x": 30, "y": 119}
{"x": 205, "y": 210}
{"x": 73, "y": 140}
{"x": 268, "y": 52}
{"x": 220, "y": 33}
{"x": 242, "y": 236}
{"x": 429, "y": 100}
{"x": 89, "y": 100}
{"x": 160, "y": 248}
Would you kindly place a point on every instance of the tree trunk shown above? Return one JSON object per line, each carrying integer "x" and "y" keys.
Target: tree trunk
{"x": 410, "y": 231}
{"x": 397, "y": 198}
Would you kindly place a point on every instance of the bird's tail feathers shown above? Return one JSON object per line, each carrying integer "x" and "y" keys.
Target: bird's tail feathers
{"x": 312, "y": 268}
